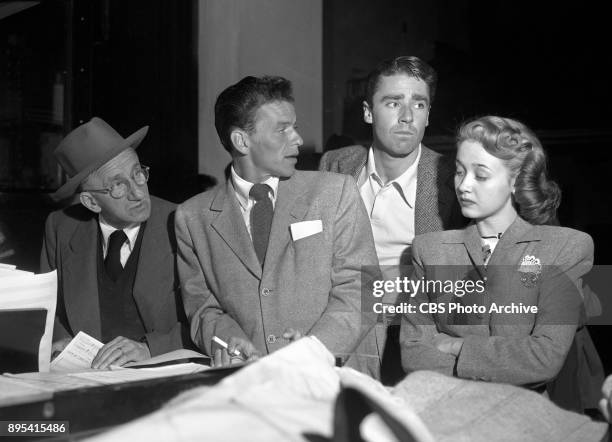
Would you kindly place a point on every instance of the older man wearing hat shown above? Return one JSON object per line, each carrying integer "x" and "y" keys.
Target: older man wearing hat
{"x": 114, "y": 252}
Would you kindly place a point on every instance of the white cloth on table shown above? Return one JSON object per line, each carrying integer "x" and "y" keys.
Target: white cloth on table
{"x": 290, "y": 396}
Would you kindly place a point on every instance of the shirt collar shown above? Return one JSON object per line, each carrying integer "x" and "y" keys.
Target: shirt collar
{"x": 107, "y": 229}
{"x": 242, "y": 188}
{"x": 405, "y": 183}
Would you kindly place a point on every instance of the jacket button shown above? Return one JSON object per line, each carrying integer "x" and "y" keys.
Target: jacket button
{"x": 271, "y": 339}
{"x": 266, "y": 291}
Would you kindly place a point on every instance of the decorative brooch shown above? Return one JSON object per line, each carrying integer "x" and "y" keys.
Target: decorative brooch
{"x": 530, "y": 270}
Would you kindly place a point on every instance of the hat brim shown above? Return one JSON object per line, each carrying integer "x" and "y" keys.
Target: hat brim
{"x": 71, "y": 185}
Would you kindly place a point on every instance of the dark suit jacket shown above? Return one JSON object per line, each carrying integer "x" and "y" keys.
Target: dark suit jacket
{"x": 312, "y": 284}
{"x": 71, "y": 245}
{"x": 436, "y": 206}
{"x": 520, "y": 349}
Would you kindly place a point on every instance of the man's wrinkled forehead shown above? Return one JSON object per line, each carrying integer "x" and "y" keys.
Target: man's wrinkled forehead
{"x": 399, "y": 78}
{"x": 124, "y": 162}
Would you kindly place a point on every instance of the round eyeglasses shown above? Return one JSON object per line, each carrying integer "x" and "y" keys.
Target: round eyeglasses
{"x": 118, "y": 188}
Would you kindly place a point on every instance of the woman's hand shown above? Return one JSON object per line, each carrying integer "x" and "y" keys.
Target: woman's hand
{"x": 292, "y": 335}
{"x": 605, "y": 404}
{"x": 448, "y": 344}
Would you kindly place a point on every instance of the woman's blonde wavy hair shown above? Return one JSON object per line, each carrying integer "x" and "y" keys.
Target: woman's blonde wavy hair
{"x": 536, "y": 197}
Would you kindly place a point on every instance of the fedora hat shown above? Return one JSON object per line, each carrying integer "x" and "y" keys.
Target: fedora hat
{"x": 88, "y": 147}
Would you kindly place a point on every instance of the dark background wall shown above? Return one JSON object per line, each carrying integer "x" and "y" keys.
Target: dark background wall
{"x": 534, "y": 61}
{"x": 132, "y": 63}
{"x": 141, "y": 58}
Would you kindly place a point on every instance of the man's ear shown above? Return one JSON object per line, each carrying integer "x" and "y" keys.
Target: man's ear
{"x": 240, "y": 140}
{"x": 90, "y": 202}
{"x": 367, "y": 113}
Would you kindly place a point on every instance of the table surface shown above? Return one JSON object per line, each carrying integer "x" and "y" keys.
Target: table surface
{"x": 94, "y": 409}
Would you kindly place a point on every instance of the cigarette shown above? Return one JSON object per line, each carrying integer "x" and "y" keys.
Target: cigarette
{"x": 223, "y": 344}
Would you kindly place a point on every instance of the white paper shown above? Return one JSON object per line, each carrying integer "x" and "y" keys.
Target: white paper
{"x": 167, "y": 357}
{"x": 7, "y": 267}
{"x": 119, "y": 375}
{"x": 24, "y": 290}
{"x": 47, "y": 382}
{"x": 23, "y": 387}
{"x": 78, "y": 354}
{"x": 15, "y": 391}
{"x": 10, "y": 270}
{"x": 305, "y": 228}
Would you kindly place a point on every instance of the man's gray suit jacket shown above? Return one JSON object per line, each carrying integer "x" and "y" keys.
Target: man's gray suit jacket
{"x": 312, "y": 284}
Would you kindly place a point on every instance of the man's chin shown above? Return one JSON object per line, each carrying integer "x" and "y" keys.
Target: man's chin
{"x": 287, "y": 173}
{"x": 141, "y": 213}
{"x": 403, "y": 150}
{"x": 399, "y": 150}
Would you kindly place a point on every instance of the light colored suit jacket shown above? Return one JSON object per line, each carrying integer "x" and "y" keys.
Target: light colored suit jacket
{"x": 311, "y": 284}
{"x": 71, "y": 246}
{"x": 520, "y": 349}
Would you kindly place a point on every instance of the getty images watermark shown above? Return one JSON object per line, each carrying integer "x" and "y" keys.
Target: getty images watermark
{"x": 496, "y": 294}
{"x": 457, "y": 288}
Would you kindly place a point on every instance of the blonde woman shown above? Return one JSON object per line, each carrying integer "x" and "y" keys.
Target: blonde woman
{"x": 518, "y": 322}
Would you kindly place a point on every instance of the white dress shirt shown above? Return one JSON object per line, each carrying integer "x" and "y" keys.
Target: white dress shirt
{"x": 390, "y": 207}
{"x": 127, "y": 247}
{"x": 242, "y": 188}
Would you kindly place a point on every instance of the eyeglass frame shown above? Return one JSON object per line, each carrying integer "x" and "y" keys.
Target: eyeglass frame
{"x": 108, "y": 190}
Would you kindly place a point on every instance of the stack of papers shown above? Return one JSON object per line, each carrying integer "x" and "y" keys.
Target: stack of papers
{"x": 81, "y": 351}
{"x": 78, "y": 354}
{"x": 71, "y": 369}
{"x": 28, "y": 387}
{"x": 21, "y": 290}
{"x": 120, "y": 375}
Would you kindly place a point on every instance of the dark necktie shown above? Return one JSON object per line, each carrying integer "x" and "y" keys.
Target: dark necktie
{"x": 112, "y": 263}
{"x": 261, "y": 219}
{"x": 486, "y": 253}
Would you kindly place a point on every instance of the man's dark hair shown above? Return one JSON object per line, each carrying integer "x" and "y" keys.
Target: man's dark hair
{"x": 408, "y": 65}
{"x": 237, "y": 105}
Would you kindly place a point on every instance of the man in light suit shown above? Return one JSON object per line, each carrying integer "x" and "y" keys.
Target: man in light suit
{"x": 260, "y": 270}
{"x": 114, "y": 252}
{"x": 406, "y": 187}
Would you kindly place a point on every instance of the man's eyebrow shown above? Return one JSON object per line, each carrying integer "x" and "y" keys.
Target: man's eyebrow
{"x": 392, "y": 97}
{"x": 416, "y": 97}
{"x": 117, "y": 176}
{"x": 419, "y": 97}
